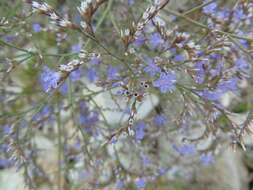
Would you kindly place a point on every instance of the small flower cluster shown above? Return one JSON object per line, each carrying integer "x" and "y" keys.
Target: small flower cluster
{"x": 150, "y": 12}
{"x": 46, "y": 9}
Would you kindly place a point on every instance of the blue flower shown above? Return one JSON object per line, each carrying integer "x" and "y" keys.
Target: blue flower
{"x": 162, "y": 171}
{"x": 223, "y": 14}
{"x": 120, "y": 184}
{"x": 4, "y": 163}
{"x": 140, "y": 183}
{"x": 186, "y": 149}
{"x": 5, "y": 147}
{"x": 152, "y": 68}
{"x": 7, "y": 129}
{"x": 112, "y": 72}
{"x": 36, "y": 27}
{"x": 92, "y": 74}
{"x": 145, "y": 160}
{"x": 76, "y": 75}
{"x": 179, "y": 57}
{"x": 46, "y": 111}
{"x": 139, "y": 41}
{"x": 49, "y": 79}
{"x": 114, "y": 140}
{"x": 160, "y": 120}
{"x": 166, "y": 82}
{"x": 77, "y": 47}
{"x": 209, "y": 9}
{"x": 131, "y": 2}
{"x": 95, "y": 61}
{"x": 242, "y": 65}
{"x": 88, "y": 118}
{"x": 155, "y": 40}
{"x": 211, "y": 95}
{"x": 238, "y": 15}
{"x": 8, "y": 38}
{"x": 206, "y": 158}
{"x": 229, "y": 85}
{"x": 139, "y": 131}
{"x": 64, "y": 88}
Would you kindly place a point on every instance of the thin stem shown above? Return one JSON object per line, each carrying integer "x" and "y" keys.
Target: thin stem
{"x": 36, "y": 53}
{"x": 71, "y": 101}
{"x": 101, "y": 20}
{"x": 114, "y": 23}
{"x": 196, "y": 23}
{"x": 198, "y": 7}
{"x": 16, "y": 47}
{"x": 239, "y": 45}
{"x": 59, "y": 147}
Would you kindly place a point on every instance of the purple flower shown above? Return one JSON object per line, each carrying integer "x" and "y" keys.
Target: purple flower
{"x": 92, "y": 74}
{"x": 223, "y": 14}
{"x": 145, "y": 160}
{"x": 36, "y": 27}
{"x": 162, "y": 171}
{"x": 131, "y": 2}
{"x": 112, "y": 72}
{"x": 139, "y": 131}
{"x": 88, "y": 118}
{"x": 242, "y": 65}
{"x": 120, "y": 184}
{"x": 5, "y": 147}
{"x": 160, "y": 120}
{"x": 206, "y": 158}
{"x": 95, "y": 61}
{"x": 8, "y": 38}
{"x": 77, "y": 47}
{"x": 140, "y": 183}
{"x": 166, "y": 82}
{"x": 64, "y": 88}
{"x": 229, "y": 85}
{"x": 155, "y": 40}
{"x": 167, "y": 44}
{"x": 152, "y": 68}
{"x": 44, "y": 113}
{"x": 76, "y": 75}
{"x": 238, "y": 15}
{"x": 78, "y": 144}
{"x": 140, "y": 40}
{"x": 209, "y": 9}
{"x": 4, "y": 163}
{"x": 186, "y": 149}
{"x": 179, "y": 57}
{"x": 7, "y": 129}
{"x": 211, "y": 95}
{"x": 127, "y": 111}
{"x": 49, "y": 79}
{"x": 114, "y": 140}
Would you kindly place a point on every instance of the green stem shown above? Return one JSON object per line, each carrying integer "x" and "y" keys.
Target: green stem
{"x": 71, "y": 101}
{"x": 196, "y": 23}
{"x": 36, "y": 53}
{"x": 198, "y": 7}
{"x": 239, "y": 45}
{"x": 101, "y": 20}
{"x": 59, "y": 147}
{"x": 16, "y": 47}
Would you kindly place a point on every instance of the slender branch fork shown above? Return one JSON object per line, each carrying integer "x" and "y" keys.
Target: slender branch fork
{"x": 231, "y": 36}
